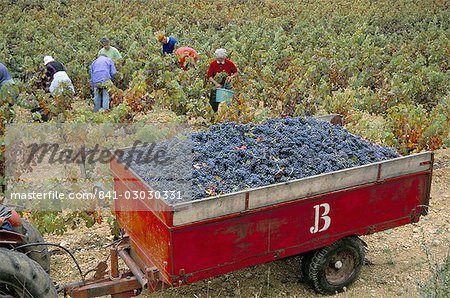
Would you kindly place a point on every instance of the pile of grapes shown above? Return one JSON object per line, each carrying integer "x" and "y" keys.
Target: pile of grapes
{"x": 231, "y": 157}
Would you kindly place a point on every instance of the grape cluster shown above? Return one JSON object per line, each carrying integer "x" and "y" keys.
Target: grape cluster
{"x": 231, "y": 157}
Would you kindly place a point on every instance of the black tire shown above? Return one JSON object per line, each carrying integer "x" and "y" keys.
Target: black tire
{"x": 336, "y": 266}
{"x": 22, "y": 277}
{"x": 39, "y": 254}
{"x": 305, "y": 263}
{"x": 299, "y": 264}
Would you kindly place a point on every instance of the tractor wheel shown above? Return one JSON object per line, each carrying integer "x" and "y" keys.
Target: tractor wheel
{"x": 39, "y": 254}
{"x": 21, "y": 277}
{"x": 336, "y": 266}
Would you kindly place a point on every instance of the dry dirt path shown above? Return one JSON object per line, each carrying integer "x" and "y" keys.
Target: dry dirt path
{"x": 397, "y": 257}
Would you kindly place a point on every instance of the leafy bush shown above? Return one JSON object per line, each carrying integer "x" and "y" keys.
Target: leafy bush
{"x": 416, "y": 129}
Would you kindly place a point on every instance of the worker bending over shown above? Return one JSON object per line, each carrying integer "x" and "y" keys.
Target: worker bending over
{"x": 184, "y": 53}
{"x": 7, "y": 84}
{"x": 168, "y": 43}
{"x": 102, "y": 71}
{"x": 56, "y": 73}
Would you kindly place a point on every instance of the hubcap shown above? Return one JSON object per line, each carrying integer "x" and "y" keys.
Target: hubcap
{"x": 341, "y": 266}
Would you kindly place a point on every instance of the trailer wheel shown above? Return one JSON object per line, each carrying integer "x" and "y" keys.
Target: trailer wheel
{"x": 305, "y": 263}
{"x": 21, "y": 277}
{"x": 37, "y": 253}
{"x": 300, "y": 265}
{"x": 336, "y": 266}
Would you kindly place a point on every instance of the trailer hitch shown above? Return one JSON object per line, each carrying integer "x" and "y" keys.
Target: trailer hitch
{"x": 118, "y": 284}
{"x": 134, "y": 268}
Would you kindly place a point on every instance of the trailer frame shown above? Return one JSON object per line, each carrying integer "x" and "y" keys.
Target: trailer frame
{"x": 162, "y": 248}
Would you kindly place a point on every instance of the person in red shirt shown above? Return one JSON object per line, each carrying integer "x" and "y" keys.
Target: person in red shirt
{"x": 183, "y": 53}
{"x": 220, "y": 65}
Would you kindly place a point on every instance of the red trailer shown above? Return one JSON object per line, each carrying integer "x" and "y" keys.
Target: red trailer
{"x": 318, "y": 217}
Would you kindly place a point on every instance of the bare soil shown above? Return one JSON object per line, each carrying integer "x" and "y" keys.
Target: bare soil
{"x": 397, "y": 259}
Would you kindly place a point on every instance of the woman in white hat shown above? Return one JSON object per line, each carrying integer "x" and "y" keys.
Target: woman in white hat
{"x": 57, "y": 75}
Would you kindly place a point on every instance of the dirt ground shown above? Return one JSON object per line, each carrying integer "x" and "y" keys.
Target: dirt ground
{"x": 397, "y": 261}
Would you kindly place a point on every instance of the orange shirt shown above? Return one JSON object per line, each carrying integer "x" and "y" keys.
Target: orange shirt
{"x": 185, "y": 52}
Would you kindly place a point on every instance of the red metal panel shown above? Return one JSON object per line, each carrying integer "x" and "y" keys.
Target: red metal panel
{"x": 150, "y": 239}
{"x": 133, "y": 186}
{"x": 149, "y": 235}
{"x": 207, "y": 249}
{"x": 350, "y": 211}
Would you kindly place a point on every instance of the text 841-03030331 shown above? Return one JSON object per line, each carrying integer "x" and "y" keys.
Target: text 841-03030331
{"x": 140, "y": 195}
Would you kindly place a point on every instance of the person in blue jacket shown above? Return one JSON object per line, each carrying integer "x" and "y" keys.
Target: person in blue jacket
{"x": 102, "y": 70}
{"x": 5, "y": 77}
{"x": 168, "y": 43}
{"x": 7, "y": 83}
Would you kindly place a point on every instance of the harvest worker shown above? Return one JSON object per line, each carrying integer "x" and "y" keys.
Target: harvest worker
{"x": 102, "y": 70}
{"x": 7, "y": 86}
{"x": 5, "y": 77}
{"x": 109, "y": 50}
{"x": 56, "y": 73}
{"x": 220, "y": 65}
{"x": 168, "y": 43}
{"x": 183, "y": 53}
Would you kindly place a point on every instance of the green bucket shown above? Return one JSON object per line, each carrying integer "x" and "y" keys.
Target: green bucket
{"x": 223, "y": 95}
